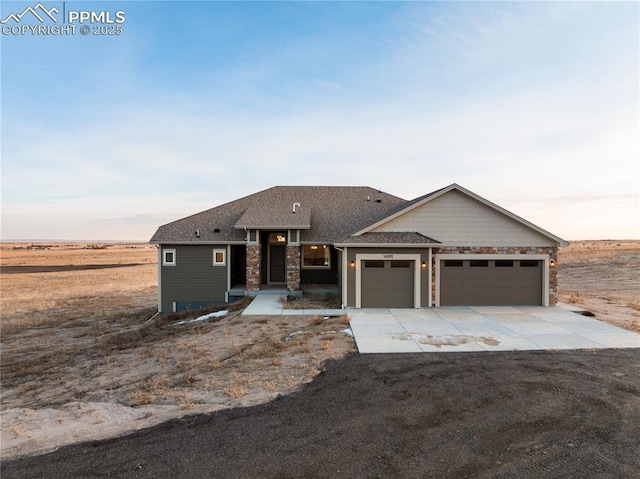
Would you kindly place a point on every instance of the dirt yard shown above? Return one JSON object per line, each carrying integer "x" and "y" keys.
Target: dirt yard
{"x": 83, "y": 356}
{"x": 523, "y": 414}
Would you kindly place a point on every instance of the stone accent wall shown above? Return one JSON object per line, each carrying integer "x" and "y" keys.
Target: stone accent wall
{"x": 253, "y": 267}
{"x": 551, "y": 251}
{"x": 293, "y": 268}
{"x": 553, "y": 277}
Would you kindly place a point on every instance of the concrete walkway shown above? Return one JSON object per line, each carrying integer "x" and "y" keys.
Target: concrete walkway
{"x": 483, "y": 328}
{"x": 267, "y": 304}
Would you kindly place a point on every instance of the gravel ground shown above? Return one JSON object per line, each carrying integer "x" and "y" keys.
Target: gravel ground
{"x": 478, "y": 415}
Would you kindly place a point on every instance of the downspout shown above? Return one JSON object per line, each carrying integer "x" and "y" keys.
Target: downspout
{"x": 344, "y": 276}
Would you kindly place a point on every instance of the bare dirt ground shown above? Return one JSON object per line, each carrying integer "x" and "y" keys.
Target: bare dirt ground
{"x": 524, "y": 414}
{"x": 82, "y": 360}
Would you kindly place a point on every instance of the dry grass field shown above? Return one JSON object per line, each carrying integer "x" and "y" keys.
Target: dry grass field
{"x": 48, "y": 284}
{"x": 81, "y": 358}
{"x": 604, "y": 278}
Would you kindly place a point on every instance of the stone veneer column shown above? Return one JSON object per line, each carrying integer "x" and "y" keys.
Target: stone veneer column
{"x": 253, "y": 267}
{"x": 293, "y": 268}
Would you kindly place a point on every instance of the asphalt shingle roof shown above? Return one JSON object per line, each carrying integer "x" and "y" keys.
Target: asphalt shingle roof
{"x": 385, "y": 238}
{"x": 264, "y": 217}
{"x": 335, "y": 212}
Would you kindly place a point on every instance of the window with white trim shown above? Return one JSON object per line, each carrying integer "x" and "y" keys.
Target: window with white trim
{"x": 168, "y": 257}
{"x": 219, "y": 257}
{"x": 316, "y": 256}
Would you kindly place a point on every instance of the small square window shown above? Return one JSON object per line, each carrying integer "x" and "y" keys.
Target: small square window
{"x": 219, "y": 257}
{"x": 168, "y": 257}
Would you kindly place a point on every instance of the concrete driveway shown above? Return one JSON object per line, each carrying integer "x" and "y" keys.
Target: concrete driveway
{"x": 483, "y": 328}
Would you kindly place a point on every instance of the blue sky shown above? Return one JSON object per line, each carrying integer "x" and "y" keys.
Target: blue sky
{"x": 534, "y": 106}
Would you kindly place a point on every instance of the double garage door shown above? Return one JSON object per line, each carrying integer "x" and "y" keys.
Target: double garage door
{"x": 387, "y": 283}
{"x": 490, "y": 282}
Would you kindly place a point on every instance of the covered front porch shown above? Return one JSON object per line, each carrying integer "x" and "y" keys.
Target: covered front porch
{"x": 240, "y": 290}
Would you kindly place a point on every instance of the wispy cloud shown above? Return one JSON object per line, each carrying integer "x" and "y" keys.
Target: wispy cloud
{"x": 519, "y": 102}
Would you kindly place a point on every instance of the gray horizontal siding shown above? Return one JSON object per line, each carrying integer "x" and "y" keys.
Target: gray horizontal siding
{"x": 194, "y": 278}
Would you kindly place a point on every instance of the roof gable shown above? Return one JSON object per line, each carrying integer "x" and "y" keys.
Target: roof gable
{"x": 457, "y": 216}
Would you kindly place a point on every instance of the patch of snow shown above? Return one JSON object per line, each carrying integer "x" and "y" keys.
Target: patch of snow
{"x": 291, "y": 335}
{"x": 217, "y": 314}
{"x": 348, "y": 332}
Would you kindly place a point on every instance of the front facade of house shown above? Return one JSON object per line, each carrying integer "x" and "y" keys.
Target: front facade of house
{"x": 449, "y": 247}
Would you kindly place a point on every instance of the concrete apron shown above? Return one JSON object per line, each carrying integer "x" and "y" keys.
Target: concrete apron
{"x": 482, "y": 328}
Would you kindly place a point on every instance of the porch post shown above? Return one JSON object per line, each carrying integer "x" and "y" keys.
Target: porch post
{"x": 253, "y": 266}
{"x": 293, "y": 268}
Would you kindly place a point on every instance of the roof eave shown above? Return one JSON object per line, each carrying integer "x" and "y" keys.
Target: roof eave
{"x": 387, "y": 245}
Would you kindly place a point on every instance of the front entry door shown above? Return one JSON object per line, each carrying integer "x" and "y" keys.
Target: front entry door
{"x": 277, "y": 258}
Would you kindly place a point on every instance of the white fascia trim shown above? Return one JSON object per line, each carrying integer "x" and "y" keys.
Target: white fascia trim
{"x": 463, "y": 256}
{"x": 417, "y": 265}
{"x": 486, "y": 202}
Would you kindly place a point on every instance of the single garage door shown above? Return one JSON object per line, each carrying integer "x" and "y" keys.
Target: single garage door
{"x": 387, "y": 284}
{"x": 490, "y": 282}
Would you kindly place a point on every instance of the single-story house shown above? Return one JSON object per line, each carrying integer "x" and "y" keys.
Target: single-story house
{"x": 448, "y": 247}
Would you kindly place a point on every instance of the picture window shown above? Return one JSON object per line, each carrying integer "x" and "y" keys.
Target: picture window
{"x": 316, "y": 256}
